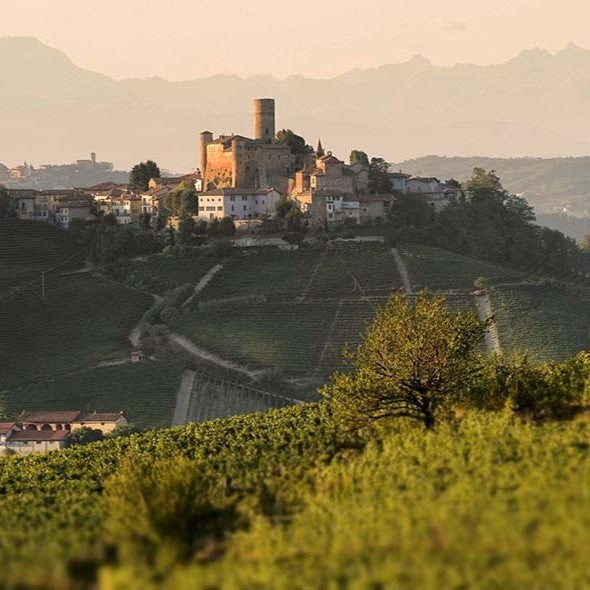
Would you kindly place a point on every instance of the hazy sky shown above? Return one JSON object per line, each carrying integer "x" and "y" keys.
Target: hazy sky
{"x": 183, "y": 39}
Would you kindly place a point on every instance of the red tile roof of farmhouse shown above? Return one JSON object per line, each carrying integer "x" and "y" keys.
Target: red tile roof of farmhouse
{"x": 100, "y": 417}
{"x": 39, "y": 435}
{"x": 52, "y": 417}
{"x": 6, "y": 426}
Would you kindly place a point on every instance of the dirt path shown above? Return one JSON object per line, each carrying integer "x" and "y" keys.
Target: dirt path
{"x": 403, "y": 271}
{"x": 193, "y": 349}
{"x": 484, "y": 311}
{"x": 183, "y": 398}
{"x": 203, "y": 283}
{"x": 136, "y": 333}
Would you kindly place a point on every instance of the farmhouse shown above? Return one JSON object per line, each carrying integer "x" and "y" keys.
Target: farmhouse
{"x": 73, "y": 419}
{"x": 37, "y": 441}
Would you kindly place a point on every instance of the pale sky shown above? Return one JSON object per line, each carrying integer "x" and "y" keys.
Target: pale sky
{"x": 186, "y": 39}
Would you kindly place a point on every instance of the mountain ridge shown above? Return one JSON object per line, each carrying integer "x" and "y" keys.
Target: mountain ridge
{"x": 53, "y": 110}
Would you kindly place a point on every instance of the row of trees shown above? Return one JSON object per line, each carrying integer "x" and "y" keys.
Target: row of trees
{"x": 489, "y": 223}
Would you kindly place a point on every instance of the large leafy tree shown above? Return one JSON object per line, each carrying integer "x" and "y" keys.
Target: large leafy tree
{"x": 143, "y": 172}
{"x": 297, "y": 143}
{"x": 415, "y": 357}
{"x": 183, "y": 201}
{"x": 379, "y": 181}
{"x": 358, "y": 157}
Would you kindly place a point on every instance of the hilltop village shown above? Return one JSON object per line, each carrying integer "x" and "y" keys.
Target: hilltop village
{"x": 242, "y": 179}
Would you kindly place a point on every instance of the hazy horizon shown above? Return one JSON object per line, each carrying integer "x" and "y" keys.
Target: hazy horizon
{"x": 188, "y": 39}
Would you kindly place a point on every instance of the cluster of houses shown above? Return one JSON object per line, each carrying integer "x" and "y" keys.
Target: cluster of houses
{"x": 40, "y": 432}
{"x": 243, "y": 178}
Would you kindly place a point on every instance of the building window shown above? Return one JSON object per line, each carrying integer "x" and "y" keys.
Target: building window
{"x": 244, "y": 198}
{"x": 201, "y": 208}
{"x": 232, "y": 207}
{"x": 245, "y": 207}
{"x": 232, "y": 198}
{"x": 219, "y": 208}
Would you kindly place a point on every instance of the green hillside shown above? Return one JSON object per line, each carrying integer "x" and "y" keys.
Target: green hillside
{"x": 146, "y": 392}
{"x": 29, "y": 248}
{"x": 546, "y": 322}
{"x": 549, "y": 321}
{"x": 314, "y": 301}
{"x": 279, "y": 500}
{"x": 441, "y": 270}
{"x": 549, "y": 184}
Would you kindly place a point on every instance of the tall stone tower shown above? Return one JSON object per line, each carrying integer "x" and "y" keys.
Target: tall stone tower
{"x": 264, "y": 119}
{"x": 204, "y": 138}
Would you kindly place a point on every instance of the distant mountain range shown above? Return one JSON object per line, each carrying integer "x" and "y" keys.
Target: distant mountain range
{"x": 535, "y": 104}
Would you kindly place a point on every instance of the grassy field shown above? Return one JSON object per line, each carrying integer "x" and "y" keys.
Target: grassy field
{"x": 441, "y": 270}
{"x": 544, "y": 322}
{"x": 28, "y": 248}
{"x": 146, "y": 392}
{"x": 82, "y": 321}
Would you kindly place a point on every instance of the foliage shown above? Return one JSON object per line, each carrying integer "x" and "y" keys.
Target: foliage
{"x": 415, "y": 357}
{"x": 358, "y": 157}
{"x": 541, "y": 391}
{"x": 379, "y": 181}
{"x": 183, "y": 201}
{"x": 143, "y": 172}
{"x": 255, "y": 455}
{"x": 85, "y": 435}
{"x": 490, "y": 224}
{"x": 5, "y": 202}
{"x": 186, "y": 229}
{"x": 160, "y": 513}
{"x": 296, "y": 143}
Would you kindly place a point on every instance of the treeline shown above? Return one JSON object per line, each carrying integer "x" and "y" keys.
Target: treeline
{"x": 489, "y": 223}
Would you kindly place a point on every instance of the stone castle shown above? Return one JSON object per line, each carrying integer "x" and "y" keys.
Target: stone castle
{"x": 235, "y": 161}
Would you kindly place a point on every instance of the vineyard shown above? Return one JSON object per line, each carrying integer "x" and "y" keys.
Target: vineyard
{"x": 166, "y": 272}
{"x": 441, "y": 270}
{"x": 543, "y": 321}
{"x": 81, "y": 321}
{"x": 27, "y": 249}
{"x": 485, "y": 490}
{"x": 215, "y": 395}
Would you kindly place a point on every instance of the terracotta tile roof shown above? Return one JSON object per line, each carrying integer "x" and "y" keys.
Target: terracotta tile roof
{"x": 39, "y": 435}
{"x": 5, "y": 427}
{"x": 100, "y": 417}
{"x": 51, "y": 417}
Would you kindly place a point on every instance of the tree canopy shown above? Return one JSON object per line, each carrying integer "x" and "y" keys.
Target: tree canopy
{"x": 415, "y": 357}
{"x": 143, "y": 172}
{"x": 298, "y": 145}
{"x": 379, "y": 181}
{"x": 489, "y": 223}
{"x": 358, "y": 157}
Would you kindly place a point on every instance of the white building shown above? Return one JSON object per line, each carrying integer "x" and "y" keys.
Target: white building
{"x": 237, "y": 203}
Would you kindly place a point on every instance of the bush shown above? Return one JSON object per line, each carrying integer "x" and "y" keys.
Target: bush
{"x": 294, "y": 238}
{"x": 547, "y": 390}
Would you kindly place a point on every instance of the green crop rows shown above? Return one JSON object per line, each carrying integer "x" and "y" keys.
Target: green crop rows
{"x": 441, "y": 270}
{"x": 83, "y": 320}
{"x": 27, "y": 249}
{"x": 545, "y": 322}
